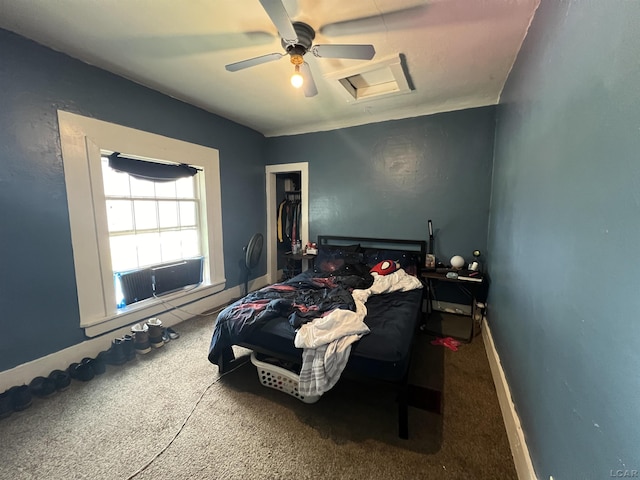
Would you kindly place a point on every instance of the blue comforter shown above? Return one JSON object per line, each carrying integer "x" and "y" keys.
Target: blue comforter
{"x": 301, "y": 299}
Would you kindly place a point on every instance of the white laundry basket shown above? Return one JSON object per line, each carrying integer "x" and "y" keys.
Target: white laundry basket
{"x": 281, "y": 379}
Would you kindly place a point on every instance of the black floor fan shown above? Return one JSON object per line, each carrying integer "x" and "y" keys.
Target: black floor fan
{"x": 252, "y": 253}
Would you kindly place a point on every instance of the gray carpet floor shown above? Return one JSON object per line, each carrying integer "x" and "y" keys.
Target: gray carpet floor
{"x": 168, "y": 415}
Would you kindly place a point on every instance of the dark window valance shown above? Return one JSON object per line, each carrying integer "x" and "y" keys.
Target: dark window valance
{"x": 157, "y": 172}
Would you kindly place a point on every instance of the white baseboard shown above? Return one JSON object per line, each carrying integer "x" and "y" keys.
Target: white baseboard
{"x": 519, "y": 450}
{"x": 23, "y": 374}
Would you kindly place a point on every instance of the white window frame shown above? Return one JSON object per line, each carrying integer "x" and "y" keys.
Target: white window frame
{"x": 82, "y": 140}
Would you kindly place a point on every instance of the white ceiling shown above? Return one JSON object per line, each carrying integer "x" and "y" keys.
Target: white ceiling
{"x": 457, "y": 53}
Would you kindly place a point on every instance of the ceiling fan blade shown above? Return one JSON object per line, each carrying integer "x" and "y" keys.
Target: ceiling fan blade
{"x": 375, "y": 23}
{"x": 426, "y": 14}
{"x": 310, "y": 89}
{"x": 358, "y": 52}
{"x": 280, "y": 18}
{"x": 252, "y": 62}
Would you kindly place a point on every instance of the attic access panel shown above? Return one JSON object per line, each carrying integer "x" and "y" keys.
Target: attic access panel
{"x": 376, "y": 80}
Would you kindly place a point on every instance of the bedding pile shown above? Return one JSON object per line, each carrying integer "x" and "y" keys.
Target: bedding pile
{"x": 327, "y": 309}
{"x": 326, "y": 341}
{"x": 299, "y": 299}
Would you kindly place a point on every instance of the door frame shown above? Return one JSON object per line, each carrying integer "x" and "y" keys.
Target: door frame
{"x": 272, "y": 211}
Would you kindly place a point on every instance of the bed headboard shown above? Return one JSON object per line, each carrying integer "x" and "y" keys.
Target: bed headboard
{"x": 410, "y": 253}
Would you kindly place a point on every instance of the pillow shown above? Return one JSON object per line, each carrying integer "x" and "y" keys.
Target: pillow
{"x": 408, "y": 260}
{"x": 331, "y": 259}
{"x": 385, "y": 267}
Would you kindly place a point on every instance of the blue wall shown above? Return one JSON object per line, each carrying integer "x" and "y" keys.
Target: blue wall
{"x": 564, "y": 236}
{"x": 38, "y": 297}
{"x": 387, "y": 179}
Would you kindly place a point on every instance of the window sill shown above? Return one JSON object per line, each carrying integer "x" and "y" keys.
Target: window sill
{"x": 149, "y": 308}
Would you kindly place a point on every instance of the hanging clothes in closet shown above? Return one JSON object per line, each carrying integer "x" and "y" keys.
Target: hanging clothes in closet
{"x": 289, "y": 212}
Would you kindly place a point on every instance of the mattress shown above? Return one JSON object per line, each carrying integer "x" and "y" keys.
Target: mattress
{"x": 382, "y": 354}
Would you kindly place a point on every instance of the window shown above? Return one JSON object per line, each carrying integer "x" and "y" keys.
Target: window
{"x": 121, "y": 223}
{"x": 151, "y": 224}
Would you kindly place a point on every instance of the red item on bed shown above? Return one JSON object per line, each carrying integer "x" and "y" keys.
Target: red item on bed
{"x": 385, "y": 267}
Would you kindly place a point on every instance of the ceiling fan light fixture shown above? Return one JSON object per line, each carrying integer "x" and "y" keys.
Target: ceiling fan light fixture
{"x": 296, "y": 79}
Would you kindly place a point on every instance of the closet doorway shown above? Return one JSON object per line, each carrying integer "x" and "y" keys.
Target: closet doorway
{"x": 275, "y": 196}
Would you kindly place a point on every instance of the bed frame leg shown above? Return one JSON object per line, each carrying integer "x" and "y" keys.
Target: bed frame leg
{"x": 403, "y": 412}
{"x": 225, "y": 360}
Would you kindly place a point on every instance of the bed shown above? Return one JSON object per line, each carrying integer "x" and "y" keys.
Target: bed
{"x": 337, "y": 319}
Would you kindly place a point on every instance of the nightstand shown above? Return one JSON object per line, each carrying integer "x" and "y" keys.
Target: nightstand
{"x": 295, "y": 265}
{"x": 450, "y": 322}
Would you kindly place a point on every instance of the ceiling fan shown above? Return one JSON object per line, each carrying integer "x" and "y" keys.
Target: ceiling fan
{"x": 297, "y": 40}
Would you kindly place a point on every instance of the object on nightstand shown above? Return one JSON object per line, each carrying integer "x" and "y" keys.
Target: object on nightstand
{"x": 457, "y": 262}
{"x": 430, "y": 258}
{"x": 430, "y": 261}
{"x": 312, "y": 249}
{"x": 475, "y": 266}
{"x": 470, "y": 276}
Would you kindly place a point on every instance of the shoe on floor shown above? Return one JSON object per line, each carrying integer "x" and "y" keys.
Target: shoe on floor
{"x": 116, "y": 354}
{"x": 61, "y": 379}
{"x": 20, "y": 397}
{"x": 172, "y": 333}
{"x": 81, "y": 371}
{"x": 104, "y": 357}
{"x": 42, "y": 387}
{"x": 129, "y": 347}
{"x": 6, "y": 404}
{"x": 141, "y": 342}
{"x": 155, "y": 332}
{"x": 97, "y": 364}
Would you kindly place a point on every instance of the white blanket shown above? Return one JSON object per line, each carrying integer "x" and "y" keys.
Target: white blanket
{"x": 326, "y": 341}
